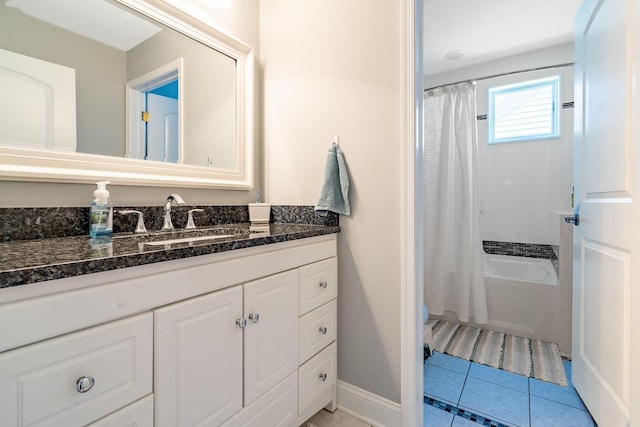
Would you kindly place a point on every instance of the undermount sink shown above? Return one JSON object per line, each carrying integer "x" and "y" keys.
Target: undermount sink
{"x": 186, "y": 240}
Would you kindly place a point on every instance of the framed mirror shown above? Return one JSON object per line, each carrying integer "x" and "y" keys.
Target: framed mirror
{"x": 131, "y": 91}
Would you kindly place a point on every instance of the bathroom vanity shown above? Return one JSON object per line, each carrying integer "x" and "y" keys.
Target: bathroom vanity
{"x": 212, "y": 327}
{"x": 243, "y": 333}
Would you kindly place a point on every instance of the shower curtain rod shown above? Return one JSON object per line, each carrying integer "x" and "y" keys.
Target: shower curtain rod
{"x": 547, "y": 67}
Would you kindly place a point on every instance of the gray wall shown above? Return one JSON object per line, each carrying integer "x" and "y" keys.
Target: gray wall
{"x": 209, "y": 94}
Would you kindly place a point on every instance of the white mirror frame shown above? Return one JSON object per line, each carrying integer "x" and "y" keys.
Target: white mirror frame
{"x": 24, "y": 164}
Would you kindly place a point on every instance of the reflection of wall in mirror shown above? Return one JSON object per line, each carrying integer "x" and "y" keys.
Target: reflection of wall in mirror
{"x": 100, "y": 111}
{"x": 210, "y": 115}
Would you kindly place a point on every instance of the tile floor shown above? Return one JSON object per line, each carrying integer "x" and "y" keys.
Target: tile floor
{"x": 457, "y": 390}
{"x": 338, "y": 418}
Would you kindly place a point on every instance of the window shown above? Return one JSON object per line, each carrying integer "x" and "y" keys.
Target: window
{"x": 524, "y": 111}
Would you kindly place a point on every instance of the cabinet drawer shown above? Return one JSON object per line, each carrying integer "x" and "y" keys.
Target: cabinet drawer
{"x": 138, "y": 414}
{"x": 317, "y": 330}
{"x": 38, "y": 383}
{"x": 317, "y": 377}
{"x": 318, "y": 284}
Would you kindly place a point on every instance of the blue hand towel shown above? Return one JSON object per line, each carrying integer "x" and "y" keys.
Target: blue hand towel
{"x": 334, "y": 195}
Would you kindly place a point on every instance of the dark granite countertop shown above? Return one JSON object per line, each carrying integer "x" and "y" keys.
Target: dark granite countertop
{"x": 38, "y": 260}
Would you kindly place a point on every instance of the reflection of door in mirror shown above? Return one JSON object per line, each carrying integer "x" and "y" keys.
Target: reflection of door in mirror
{"x": 155, "y": 114}
{"x": 162, "y": 123}
{"x": 38, "y": 103}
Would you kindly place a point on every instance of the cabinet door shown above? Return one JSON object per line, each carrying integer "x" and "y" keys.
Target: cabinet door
{"x": 271, "y": 335}
{"x": 198, "y": 360}
{"x": 277, "y": 407}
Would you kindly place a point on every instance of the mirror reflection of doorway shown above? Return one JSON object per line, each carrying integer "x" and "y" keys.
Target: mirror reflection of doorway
{"x": 161, "y": 142}
{"x": 154, "y": 114}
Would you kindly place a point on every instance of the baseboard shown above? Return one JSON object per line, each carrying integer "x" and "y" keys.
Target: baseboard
{"x": 367, "y": 406}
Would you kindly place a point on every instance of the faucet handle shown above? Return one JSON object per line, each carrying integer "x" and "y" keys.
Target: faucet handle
{"x": 175, "y": 196}
{"x": 190, "y": 223}
{"x": 140, "y": 228}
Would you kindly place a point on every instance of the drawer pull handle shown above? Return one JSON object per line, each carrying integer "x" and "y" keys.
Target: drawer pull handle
{"x": 241, "y": 323}
{"x": 323, "y": 284}
{"x": 254, "y": 317}
{"x": 84, "y": 384}
{"x": 323, "y": 376}
{"x": 323, "y": 330}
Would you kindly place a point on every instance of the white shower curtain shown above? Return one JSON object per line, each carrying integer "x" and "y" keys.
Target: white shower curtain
{"x": 454, "y": 279}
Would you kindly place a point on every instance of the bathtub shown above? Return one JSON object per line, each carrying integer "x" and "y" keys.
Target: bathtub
{"x": 522, "y": 297}
{"x": 532, "y": 270}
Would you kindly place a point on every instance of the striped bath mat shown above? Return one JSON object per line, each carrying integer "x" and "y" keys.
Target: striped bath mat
{"x": 524, "y": 356}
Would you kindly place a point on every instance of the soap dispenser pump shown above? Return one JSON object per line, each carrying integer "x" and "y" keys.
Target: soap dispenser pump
{"x": 101, "y": 216}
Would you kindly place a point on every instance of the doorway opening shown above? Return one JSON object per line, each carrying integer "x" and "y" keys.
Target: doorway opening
{"x": 155, "y": 114}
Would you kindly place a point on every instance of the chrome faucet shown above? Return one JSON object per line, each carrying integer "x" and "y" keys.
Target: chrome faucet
{"x": 168, "y": 225}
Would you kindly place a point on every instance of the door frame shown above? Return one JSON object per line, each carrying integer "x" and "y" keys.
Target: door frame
{"x": 136, "y": 103}
{"x": 411, "y": 227}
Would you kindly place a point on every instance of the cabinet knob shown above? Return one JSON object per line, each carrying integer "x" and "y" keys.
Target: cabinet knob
{"x": 254, "y": 317}
{"x": 323, "y": 330}
{"x": 323, "y": 376}
{"x": 84, "y": 384}
{"x": 241, "y": 323}
{"x": 323, "y": 284}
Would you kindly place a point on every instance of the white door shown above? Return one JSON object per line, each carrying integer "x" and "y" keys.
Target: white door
{"x": 38, "y": 103}
{"x": 198, "y": 360}
{"x": 271, "y": 334}
{"x": 605, "y": 328}
{"x": 162, "y": 128}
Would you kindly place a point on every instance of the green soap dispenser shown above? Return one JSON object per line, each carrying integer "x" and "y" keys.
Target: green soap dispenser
{"x": 101, "y": 216}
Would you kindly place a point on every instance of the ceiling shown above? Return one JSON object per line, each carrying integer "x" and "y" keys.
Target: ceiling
{"x": 91, "y": 18}
{"x": 491, "y": 29}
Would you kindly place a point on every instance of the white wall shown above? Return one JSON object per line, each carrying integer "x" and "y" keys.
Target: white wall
{"x": 334, "y": 68}
{"x": 241, "y": 21}
{"x": 521, "y": 183}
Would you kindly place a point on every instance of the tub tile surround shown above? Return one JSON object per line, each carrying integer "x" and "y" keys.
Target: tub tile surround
{"x": 565, "y": 282}
{"x": 555, "y": 259}
{"x": 60, "y": 247}
{"x": 530, "y": 250}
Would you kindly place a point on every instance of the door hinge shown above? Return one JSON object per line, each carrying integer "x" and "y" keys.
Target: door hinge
{"x": 145, "y": 116}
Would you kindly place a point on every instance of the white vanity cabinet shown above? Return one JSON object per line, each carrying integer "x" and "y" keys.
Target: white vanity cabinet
{"x": 240, "y": 338}
{"x": 201, "y": 344}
